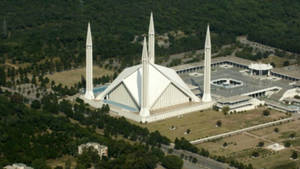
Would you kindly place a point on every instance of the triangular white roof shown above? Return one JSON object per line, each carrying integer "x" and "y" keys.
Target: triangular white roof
{"x": 159, "y": 79}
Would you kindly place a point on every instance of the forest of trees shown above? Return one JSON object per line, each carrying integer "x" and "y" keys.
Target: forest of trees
{"x": 32, "y": 136}
{"x": 33, "y": 30}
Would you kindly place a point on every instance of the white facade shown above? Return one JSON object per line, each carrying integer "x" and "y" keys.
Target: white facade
{"x": 149, "y": 92}
{"x": 165, "y": 88}
{"x": 89, "y": 94}
{"x": 207, "y": 68}
{"x": 102, "y": 150}
{"x": 290, "y": 93}
{"x": 17, "y": 166}
{"x": 147, "y": 87}
{"x": 276, "y": 147}
{"x": 239, "y": 103}
{"x": 260, "y": 69}
{"x": 151, "y": 40}
{"x": 145, "y": 108}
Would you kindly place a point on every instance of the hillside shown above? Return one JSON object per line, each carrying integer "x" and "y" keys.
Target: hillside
{"x": 34, "y": 30}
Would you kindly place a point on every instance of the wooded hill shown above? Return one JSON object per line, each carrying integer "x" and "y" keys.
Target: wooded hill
{"x": 33, "y": 30}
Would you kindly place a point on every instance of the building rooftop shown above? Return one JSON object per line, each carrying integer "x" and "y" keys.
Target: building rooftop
{"x": 234, "y": 99}
{"x": 250, "y": 83}
{"x": 297, "y": 84}
{"x": 260, "y": 66}
{"x": 233, "y": 59}
{"x": 293, "y": 71}
{"x": 281, "y": 106}
{"x": 17, "y": 166}
{"x": 93, "y": 144}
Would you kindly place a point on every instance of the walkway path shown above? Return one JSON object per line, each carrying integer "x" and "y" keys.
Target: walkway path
{"x": 258, "y": 137}
{"x": 245, "y": 129}
{"x": 267, "y": 140}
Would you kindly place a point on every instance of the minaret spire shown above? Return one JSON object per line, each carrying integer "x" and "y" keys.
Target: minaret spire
{"x": 144, "y": 111}
{"x": 207, "y": 68}
{"x": 89, "y": 94}
{"x": 151, "y": 40}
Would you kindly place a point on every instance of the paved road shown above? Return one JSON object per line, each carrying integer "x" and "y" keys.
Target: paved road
{"x": 189, "y": 165}
{"x": 202, "y": 163}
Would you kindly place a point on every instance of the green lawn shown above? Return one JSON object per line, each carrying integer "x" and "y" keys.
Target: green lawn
{"x": 203, "y": 124}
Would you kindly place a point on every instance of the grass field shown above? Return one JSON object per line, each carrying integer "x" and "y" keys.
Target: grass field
{"x": 278, "y": 61}
{"x": 240, "y": 147}
{"x": 203, "y": 124}
{"x": 61, "y": 162}
{"x": 71, "y": 77}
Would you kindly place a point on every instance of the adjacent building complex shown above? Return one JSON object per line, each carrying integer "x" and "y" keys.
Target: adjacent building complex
{"x": 150, "y": 92}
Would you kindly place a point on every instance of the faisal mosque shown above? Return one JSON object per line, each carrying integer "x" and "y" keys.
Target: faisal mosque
{"x": 148, "y": 92}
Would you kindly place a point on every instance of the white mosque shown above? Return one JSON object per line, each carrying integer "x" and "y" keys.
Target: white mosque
{"x": 148, "y": 92}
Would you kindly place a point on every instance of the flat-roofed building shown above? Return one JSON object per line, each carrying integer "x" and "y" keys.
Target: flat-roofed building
{"x": 17, "y": 166}
{"x": 292, "y": 101}
{"x": 296, "y": 84}
{"x": 101, "y": 149}
{"x": 238, "y": 103}
{"x": 288, "y": 73}
{"x": 282, "y": 107}
{"x": 260, "y": 69}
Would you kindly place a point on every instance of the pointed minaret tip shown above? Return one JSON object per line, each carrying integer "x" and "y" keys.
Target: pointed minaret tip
{"x": 207, "y": 40}
{"x": 145, "y": 50}
{"x": 151, "y": 25}
{"x": 89, "y": 36}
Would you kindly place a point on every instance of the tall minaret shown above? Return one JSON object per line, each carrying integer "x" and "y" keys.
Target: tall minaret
{"x": 207, "y": 68}
{"x": 151, "y": 40}
{"x": 144, "y": 112}
{"x": 89, "y": 94}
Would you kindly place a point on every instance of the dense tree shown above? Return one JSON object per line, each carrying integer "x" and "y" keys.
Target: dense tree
{"x": 42, "y": 29}
{"x": 185, "y": 145}
{"x": 2, "y": 77}
{"x": 172, "y": 162}
{"x": 35, "y": 104}
{"x": 32, "y": 137}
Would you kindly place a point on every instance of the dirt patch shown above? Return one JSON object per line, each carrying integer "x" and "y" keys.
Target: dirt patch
{"x": 71, "y": 77}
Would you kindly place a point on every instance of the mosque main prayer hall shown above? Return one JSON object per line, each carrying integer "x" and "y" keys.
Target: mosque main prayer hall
{"x": 148, "y": 92}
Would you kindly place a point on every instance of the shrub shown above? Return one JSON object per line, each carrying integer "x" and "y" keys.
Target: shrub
{"x": 287, "y": 144}
{"x": 294, "y": 155}
{"x": 225, "y": 110}
{"x": 219, "y": 123}
{"x": 195, "y": 160}
{"x": 255, "y": 154}
{"x": 261, "y": 144}
{"x": 266, "y": 112}
{"x": 292, "y": 135}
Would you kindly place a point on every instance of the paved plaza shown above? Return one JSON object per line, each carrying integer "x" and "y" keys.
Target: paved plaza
{"x": 250, "y": 83}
